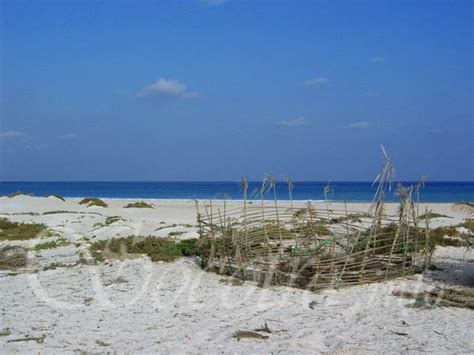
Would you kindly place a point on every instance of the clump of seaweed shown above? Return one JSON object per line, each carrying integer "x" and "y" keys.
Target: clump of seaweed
{"x": 93, "y": 201}
{"x": 139, "y": 204}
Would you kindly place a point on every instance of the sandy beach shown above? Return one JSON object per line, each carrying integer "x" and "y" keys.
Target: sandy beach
{"x": 236, "y": 177}
{"x": 134, "y": 305}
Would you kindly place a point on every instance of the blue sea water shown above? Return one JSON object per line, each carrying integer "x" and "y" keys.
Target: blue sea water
{"x": 342, "y": 191}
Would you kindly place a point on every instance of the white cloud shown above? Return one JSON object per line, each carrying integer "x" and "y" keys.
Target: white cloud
{"x": 378, "y": 60}
{"x": 317, "y": 81}
{"x": 10, "y": 135}
{"x": 300, "y": 121}
{"x": 214, "y": 2}
{"x": 166, "y": 88}
{"x": 68, "y": 136}
{"x": 358, "y": 125}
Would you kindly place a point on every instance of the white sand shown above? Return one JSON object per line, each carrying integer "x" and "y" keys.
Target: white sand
{"x": 139, "y": 306}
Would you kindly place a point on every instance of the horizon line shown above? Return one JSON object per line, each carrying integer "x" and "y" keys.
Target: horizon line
{"x": 226, "y": 181}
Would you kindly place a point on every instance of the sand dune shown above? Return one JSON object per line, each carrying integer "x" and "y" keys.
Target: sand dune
{"x": 136, "y": 305}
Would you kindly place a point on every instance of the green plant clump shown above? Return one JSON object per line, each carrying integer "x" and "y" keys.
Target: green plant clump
{"x": 58, "y": 197}
{"x": 112, "y": 219}
{"x": 445, "y": 236}
{"x": 58, "y": 212}
{"x": 158, "y": 249}
{"x": 175, "y": 233}
{"x": 139, "y": 204}
{"x": 51, "y": 244}
{"x": 434, "y": 215}
{"x": 5, "y": 332}
{"x": 19, "y": 193}
{"x": 468, "y": 224}
{"x": 93, "y": 201}
{"x": 20, "y": 231}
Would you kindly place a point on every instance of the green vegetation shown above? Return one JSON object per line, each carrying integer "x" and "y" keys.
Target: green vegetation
{"x": 445, "y": 236}
{"x": 101, "y": 343}
{"x": 19, "y": 193}
{"x": 112, "y": 219}
{"x": 158, "y": 249}
{"x": 441, "y": 236}
{"x": 175, "y": 233}
{"x": 55, "y": 266}
{"x": 386, "y": 236}
{"x": 57, "y": 212}
{"x": 51, "y": 244}
{"x": 353, "y": 217}
{"x": 434, "y": 215}
{"x": 315, "y": 228}
{"x": 108, "y": 221}
{"x": 139, "y": 204}
{"x": 20, "y": 231}
{"x": 189, "y": 247}
{"x": 58, "y": 197}
{"x": 93, "y": 201}
{"x": 5, "y": 332}
{"x": 468, "y": 224}
{"x": 164, "y": 227}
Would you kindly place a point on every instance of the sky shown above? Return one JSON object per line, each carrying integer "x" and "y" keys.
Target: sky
{"x": 215, "y": 90}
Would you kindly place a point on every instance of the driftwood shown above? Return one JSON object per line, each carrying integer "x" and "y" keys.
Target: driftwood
{"x": 241, "y": 334}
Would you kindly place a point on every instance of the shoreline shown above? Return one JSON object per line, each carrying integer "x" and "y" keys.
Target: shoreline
{"x": 233, "y": 200}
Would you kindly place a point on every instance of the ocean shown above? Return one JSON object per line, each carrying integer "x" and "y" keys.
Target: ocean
{"x": 342, "y": 191}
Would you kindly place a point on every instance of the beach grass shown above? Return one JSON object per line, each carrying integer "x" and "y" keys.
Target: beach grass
{"x": 158, "y": 249}
{"x": 139, "y": 204}
{"x": 93, "y": 201}
{"x": 52, "y": 244}
{"x": 20, "y": 231}
{"x": 58, "y": 197}
{"x": 434, "y": 215}
{"x": 112, "y": 219}
{"x": 19, "y": 193}
{"x": 468, "y": 224}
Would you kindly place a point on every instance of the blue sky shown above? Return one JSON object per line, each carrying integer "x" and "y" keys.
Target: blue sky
{"x": 215, "y": 90}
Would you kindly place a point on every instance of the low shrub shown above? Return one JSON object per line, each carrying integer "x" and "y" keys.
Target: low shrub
{"x": 20, "y": 231}
{"x": 139, "y": 204}
{"x": 158, "y": 249}
{"x": 93, "y": 201}
{"x": 19, "y": 193}
{"x": 58, "y": 197}
{"x": 434, "y": 215}
{"x": 51, "y": 244}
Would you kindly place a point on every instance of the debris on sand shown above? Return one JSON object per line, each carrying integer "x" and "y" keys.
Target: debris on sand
{"x": 241, "y": 334}
{"x": 463, "y": 298}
